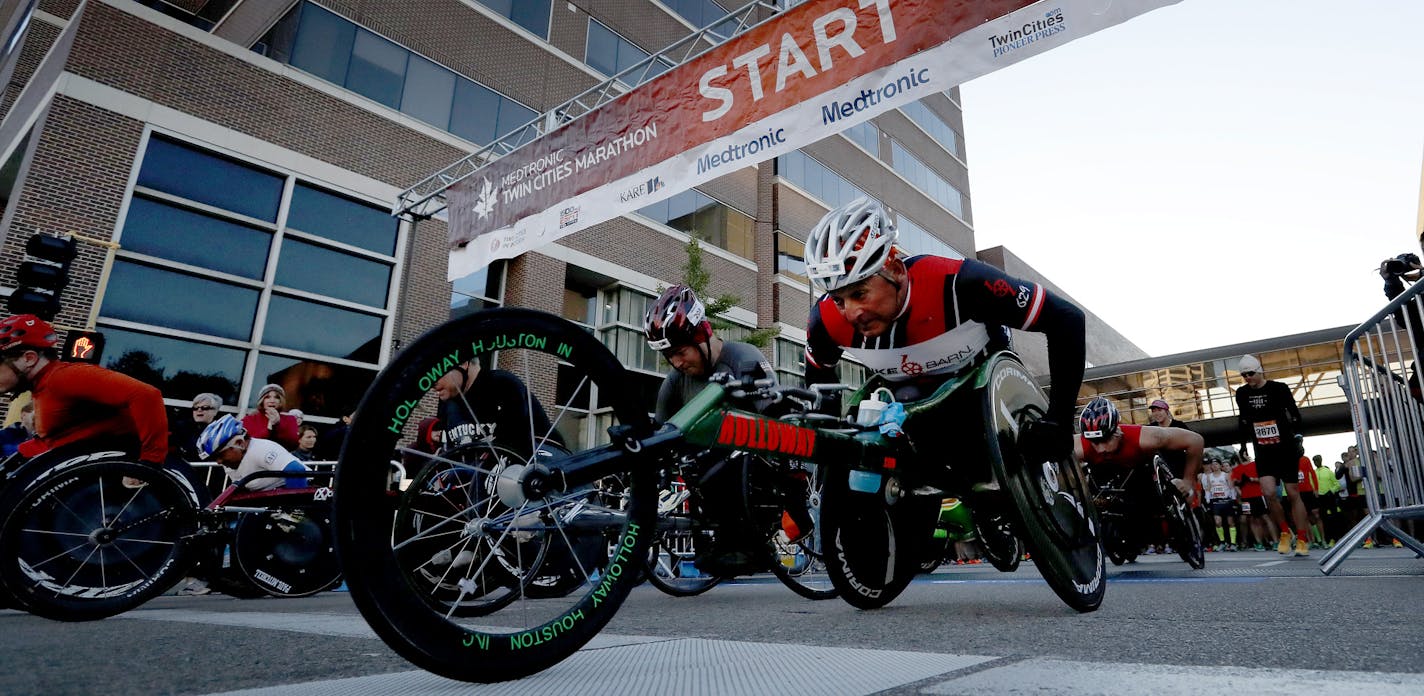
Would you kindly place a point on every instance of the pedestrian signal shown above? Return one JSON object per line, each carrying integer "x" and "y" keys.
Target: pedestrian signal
{"x": 84, "y": 346}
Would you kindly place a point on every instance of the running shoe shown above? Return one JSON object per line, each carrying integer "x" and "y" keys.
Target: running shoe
{"x": 1302, "y": 548}
{"x": 1284, "y": 547}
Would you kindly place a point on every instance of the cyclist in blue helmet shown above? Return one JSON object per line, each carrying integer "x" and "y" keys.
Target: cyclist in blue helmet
{"x": 227, "y": 442}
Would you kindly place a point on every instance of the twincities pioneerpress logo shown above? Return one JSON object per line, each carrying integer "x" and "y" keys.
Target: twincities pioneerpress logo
{"x": 1052, "y": 22}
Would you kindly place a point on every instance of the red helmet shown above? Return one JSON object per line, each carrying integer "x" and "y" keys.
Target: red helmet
{"x": 26, "y": 330}
{"x": 677, "y": 318}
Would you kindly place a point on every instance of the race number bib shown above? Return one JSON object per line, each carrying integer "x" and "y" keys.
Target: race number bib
{"x": 1218, "y": 490}
{"x": 1268, "y": 433}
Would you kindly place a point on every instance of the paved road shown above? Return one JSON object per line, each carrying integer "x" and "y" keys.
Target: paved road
{"x": 1250, "y": 623}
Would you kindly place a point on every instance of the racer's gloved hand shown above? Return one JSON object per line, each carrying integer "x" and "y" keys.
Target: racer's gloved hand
{"x": 1046, "y": 440}
{"x": 1187, "y": 490}
{"x": 830, "y": 403}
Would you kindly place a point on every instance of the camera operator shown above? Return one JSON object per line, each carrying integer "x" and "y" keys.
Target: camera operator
{"x": 1395, "y": 271}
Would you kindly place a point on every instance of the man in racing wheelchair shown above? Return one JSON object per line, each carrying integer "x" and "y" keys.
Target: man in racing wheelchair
{"x": 676, "y": 325}
{"x": 918, "y": 321}
{"x": 1121, "y": 457}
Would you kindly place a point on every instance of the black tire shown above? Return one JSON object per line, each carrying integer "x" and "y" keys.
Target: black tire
{"x": 801, "y": 565}
{"x": 561, "y": 363}
{"x": 1182, "y": 526}
{"x": 1001, "y": 545}
{"x": 935, "y": 553}
{"x": 288, "y": 551}
{"x": 873, "y": 549}
{"x": 95, "y": 535}
{"x": 671, "y": 569}
{"x": 1058, "y": 519}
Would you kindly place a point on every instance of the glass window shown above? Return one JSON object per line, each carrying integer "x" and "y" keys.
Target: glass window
{"x": 306, "y": 266}
{"x": 511, "y": 116}
{"x": 816, "y": 179}
{"x": 323, "y": 44}
{"x": 317, "y": 388}
{"x": 179, "y": 368}
{"x": 477, "y": 291}
{"x": 695, "y": 213}
{"x": 867, "y": 136}
{"x": 601, "y": 53}
{"x": 179, "y": 301}
{"x": 533, "y": 15}
{"x": 206, "y": 178}
{"x": 318, "y": 328}
{"x": 475, "y": 113}
{"x": 932, "y": 124}
{"x": 917, "y": 240}
{"x": 377, "y": 69}
{"x": 194, "y": 238}
{"x": 343, "y": 220}
{"x": 925, "y": 179}
{"x": 429, "y": 91}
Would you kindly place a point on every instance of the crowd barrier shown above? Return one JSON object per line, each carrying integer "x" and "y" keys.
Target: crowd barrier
{"x": 1381, "y": 381}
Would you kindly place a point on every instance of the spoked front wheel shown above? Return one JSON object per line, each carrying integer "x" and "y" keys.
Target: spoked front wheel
{"x": 800, "y": 564}
{"x": 1059, "y": 521}
{"x": 1182, "y": 525}
{"x": 489, "y": 524}
{"x": 95, "y": 535}
{"x": 873, "y": 548}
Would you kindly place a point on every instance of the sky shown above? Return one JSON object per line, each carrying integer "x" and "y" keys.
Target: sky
{"x": 1210, "y": 172}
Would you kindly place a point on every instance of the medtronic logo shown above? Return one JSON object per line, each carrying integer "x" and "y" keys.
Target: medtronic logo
{"x": 732, "y": 153}
{"x": 1031, "y": 31}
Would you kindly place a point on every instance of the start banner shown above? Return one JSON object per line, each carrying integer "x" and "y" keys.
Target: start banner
{"x": 819, "y": 68}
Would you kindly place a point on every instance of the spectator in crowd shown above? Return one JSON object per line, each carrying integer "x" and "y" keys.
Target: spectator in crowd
{"x": 1253, "y": 504}
{"x": 225, "y": 441}
{"x": 306, "y": 443}
{"x": 268, "y": 422}
{"x": 1270, "y": 419}
{"x": 297, "y": 414}
{"x": 21, "y": 430}
{"x": 183, "y": 436}
{"x": 328, "y": 444}
{"x": 1221, "y": 499}
{"x": 1308, "y": 484}
{"x": 1160, "y": 415}
{"x": 1327, "y": 494}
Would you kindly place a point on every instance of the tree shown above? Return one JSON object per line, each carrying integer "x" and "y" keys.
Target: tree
{"x": 696, "y": 276}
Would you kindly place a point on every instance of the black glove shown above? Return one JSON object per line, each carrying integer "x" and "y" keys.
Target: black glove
{"x": 1045, "y": 441}
{"x": 830, "y": 403}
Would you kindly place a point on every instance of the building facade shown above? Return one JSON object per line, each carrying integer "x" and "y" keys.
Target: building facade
{"x": 241, "y": 158}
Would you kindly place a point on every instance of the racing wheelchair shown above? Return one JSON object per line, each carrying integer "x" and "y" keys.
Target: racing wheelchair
{"x": 88, "y": 532}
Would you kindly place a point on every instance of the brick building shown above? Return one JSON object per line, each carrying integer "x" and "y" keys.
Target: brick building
{"x": 244, "y": 156}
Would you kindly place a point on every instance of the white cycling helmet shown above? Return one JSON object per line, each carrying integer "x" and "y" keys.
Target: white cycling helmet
{"x": 849, "y": 244}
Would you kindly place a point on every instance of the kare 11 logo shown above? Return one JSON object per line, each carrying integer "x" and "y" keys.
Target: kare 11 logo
{"x": 650, "y": 186}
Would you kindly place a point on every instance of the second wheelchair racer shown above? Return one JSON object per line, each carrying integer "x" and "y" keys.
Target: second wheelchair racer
{"x": 227, "y": 442}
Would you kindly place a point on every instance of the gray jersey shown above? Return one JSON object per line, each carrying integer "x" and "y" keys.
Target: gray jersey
{"x": 736, "y": 358}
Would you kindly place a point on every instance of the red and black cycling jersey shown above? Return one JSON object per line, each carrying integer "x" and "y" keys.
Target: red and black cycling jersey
{"x": 78, "y": 401}
{"x": 955, "y": 313}
{"x": 1129, "y": 452}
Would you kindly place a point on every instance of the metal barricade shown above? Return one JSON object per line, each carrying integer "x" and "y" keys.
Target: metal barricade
{"x": 1381, "y": 379}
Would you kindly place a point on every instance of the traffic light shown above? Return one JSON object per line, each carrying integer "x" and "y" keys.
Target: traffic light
{"x": 84, "y": 346}
{"x": 42, "y": 275}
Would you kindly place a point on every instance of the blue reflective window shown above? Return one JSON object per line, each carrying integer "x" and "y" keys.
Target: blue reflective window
{"x": 700, "y": 13}
{"x": 185, "y": 236}
{"x": 926, "y": 179}
{"x": 609, "y": 53}
{"x": 317, "y": 388}
{"x": 179, "y": 301}
{"x": 511, "y": 116}
{"x": 816, "y": 179}
{"x": 343, "y": 220}
{"x": 475, "y": 114}
{"x": 317, "y": 328}
{"x": 533, "y": 15}
{"x": 429, "y": 91}
{"x": 332, "y": 273}
{"x": 867, "y": 136}
{"x": 180, "y": 369}
{"x": 932, "y": 124}
{"x": 323, "y": 44}
{"x": 377, "y": 69}
{"x": 206, "y": 178}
